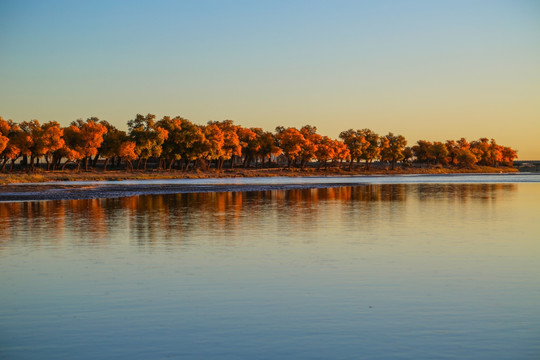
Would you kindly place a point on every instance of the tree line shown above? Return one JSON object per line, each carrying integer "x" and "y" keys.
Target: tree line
{"x": 177, "y": 143}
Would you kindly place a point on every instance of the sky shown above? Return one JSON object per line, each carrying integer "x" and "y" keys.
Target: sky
{"x": 432, "y": 70}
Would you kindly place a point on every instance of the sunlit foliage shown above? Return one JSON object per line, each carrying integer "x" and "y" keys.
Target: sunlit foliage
{"x": 290, "y": 141}
{"x": 373, "y": 147}
{"x": 128, "y": 154}
{"x": 393, "y": 148}
{"x": 175, "y": 142}
{"x": 112, "y": 141}
{"x": 147, "y": 136}
{"x": 356, "y": 143}
{"x": 82, "y": 141}
{"x": 230, "y": 147}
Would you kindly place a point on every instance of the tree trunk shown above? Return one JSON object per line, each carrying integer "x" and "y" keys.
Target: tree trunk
{"x": 31, "y": 166}
{"x": 105, "y": 165}
{"x": 94, "y": 162}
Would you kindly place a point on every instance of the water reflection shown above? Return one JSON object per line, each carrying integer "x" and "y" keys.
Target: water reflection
{"x": 171, "y": 218}
{"x": 329, "y": 273}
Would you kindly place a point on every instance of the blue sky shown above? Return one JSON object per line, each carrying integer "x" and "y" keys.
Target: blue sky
{"x": 426, "y": 69}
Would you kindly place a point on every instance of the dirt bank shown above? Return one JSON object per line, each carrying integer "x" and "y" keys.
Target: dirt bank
{"x": 22, "y": 177}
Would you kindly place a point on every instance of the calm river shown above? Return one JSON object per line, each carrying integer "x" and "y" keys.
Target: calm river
{"x": 407, "y": 270}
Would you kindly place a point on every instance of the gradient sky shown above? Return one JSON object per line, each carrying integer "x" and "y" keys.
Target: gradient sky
{"x": 425, "y": 69}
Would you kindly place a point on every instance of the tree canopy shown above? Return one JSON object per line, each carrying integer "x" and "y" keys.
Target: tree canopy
{"x": 176, "y": 142}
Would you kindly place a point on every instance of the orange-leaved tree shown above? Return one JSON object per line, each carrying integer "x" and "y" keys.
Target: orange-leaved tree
{"x": 112, "y": 141}
{"x": 326, "y": 150}
{"x": 51, "y": 141}
{"x": 465, "y": 158}
{"x": 268, "y": 145}
{"x": 438, "y": 152}
{"x": 41, "y": 140}
{"x": 213, "y": 143}
{"x": 290, "y": 141}
{"x": 192, "y": 143}
{"x": 147, "y": 136}
{"x": 173, "y": 146}
{"x": 356, "y": 143}
{"x": 341, "y": 152}
{"x": 5, "y": 127}
{"x": 508, "y": 156}
{"x": 421, "y": 151}
{"x": 73, "y": 143}
{"x": 85, "y": 138}
{"x": 480, "y": 149}
{"x": 231, "y": 143}
{"x": 249, "y": 141}
{"x": 8, "y": 151}
{"x": 310, "y": 144}
{"x": 464, "y": 155}
{"x": 128, "y": 154}
{"x": 373, "y": 148}
{"x": 393, "y": 148}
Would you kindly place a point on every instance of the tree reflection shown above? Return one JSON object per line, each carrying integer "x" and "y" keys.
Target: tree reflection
{"x": 225, "y": 217}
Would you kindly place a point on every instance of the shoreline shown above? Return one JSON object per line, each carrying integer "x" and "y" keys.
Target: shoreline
{"x": 86, "y": 188}
{"x": 117, "y": 175}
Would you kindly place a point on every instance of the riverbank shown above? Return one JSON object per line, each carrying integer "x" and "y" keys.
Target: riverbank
{"x": 116, "y": 175}
{"x": 78, "y": 190}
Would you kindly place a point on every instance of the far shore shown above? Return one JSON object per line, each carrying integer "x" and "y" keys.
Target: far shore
{"x": 117, "y": 175}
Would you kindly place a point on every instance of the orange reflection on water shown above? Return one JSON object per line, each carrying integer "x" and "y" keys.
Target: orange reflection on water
{"x": 150, "y": 219}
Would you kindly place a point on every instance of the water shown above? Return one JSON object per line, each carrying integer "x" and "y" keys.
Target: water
{"x": 378, "y": 271}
